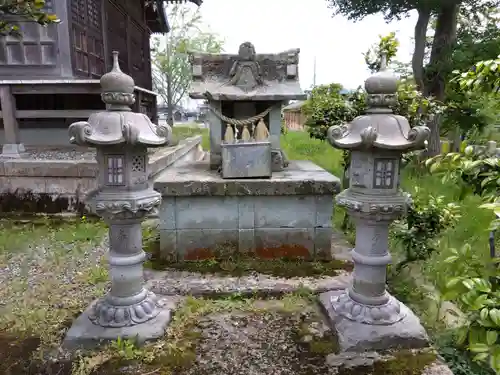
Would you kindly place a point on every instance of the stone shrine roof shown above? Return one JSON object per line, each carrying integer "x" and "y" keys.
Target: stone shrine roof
{"x": 246, "y": 76}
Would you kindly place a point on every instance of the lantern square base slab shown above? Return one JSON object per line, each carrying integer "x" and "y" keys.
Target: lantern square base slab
{"x": 83, "y": 334}
{"x": 359, "y": 337}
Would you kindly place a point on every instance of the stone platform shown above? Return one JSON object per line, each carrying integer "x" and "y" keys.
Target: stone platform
{"x": 56, "y": 180}
{"x": 288, "y": 215}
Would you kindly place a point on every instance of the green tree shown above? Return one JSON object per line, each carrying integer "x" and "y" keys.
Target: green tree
{"x": 478, "y": 39}
{"x": 30, "y": 10}
{"x": 388, "y": 46}
{"x": 431, "y": 81}
{"x": 171, "y": 67}
{"x": 326, "y": 106}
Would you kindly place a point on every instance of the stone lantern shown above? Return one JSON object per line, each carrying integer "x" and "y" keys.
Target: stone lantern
{"x": 366, "y": 316}
{"x": 124, "y": 197}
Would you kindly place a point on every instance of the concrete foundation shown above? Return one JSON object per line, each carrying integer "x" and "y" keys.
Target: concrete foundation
{"x": 288, "y": 215}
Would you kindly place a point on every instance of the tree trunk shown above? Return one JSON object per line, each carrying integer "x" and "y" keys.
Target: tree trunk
{"x": 417, "y": 61}
{"x": 170, "y": 104}
{"x": 439, "y": 66}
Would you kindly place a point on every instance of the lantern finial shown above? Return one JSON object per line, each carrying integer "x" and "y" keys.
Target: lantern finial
{"x": 117, "y": 87}
{"x": 382, "y": 88}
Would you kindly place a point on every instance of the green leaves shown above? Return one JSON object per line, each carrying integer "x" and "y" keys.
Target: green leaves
{"x": 388, "y": 46}
{"x": 32, "y": 10}
{"x": 480, "y": 302}
{"x": 171, "y": 66}
{"x": 484, "y": 76}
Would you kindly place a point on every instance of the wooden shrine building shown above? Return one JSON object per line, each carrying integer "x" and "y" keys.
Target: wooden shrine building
{"x": 49, "y": 77}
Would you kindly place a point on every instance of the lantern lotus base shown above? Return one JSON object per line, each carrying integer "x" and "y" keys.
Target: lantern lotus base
{"x": 84, "y": 334}
{"x": 357, "y": 336}
{"x": 385, "y": 314}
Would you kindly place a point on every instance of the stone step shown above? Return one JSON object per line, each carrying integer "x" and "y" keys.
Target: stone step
{"x": 173, "y": 282}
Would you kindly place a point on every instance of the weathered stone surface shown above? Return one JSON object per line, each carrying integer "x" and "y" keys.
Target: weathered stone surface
{"x": 158, "y": 161}
{"x": 355, "y": 362}
{"x": 196, "y": 179}
{"x": 289, "y": 215}
{"x": 356, "y": 337}
{"x": 85, "y": 334}
{"x": 203, "y": 243}
{"x": 246, "y": 75}
{"x": 437, "y": 368}
{"x": 172, "y": 282}
{"x": 270, "y": 339}
{"x": 52, "y": 186}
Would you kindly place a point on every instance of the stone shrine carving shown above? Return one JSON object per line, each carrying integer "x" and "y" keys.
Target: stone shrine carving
{"x": 246, "y": 71}
{"x": 244, "y": 91}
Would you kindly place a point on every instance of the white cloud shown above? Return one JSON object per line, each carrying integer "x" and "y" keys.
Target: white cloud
{"x": 277, "y": 25}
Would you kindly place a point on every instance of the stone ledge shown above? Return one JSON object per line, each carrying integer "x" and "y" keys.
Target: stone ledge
{"x": 196, "y": 179}
{"x": 160, "y": 160}
{"x": 173, "y": 282}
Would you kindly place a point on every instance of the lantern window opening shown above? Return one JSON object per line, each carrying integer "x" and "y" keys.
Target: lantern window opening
{"x": 139, "y": 163}
{"x": 115, "y": 170}
{"x": 383, "y": 177}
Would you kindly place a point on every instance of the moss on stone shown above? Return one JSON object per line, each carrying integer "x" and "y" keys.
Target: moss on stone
{"x": 401, "y": 362}
{"x": 313, "y": 342}
{"x": 226, "y": 262}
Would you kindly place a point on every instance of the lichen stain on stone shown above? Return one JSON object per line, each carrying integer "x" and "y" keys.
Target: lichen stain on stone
{"x": 283, "y": 252}
{"x": 403, "y": 362}
{"x": 34, "y": 203}
{"x": 199, "y": 254}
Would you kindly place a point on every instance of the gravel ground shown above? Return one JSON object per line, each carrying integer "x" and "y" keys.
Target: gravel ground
{"x": 64, "y": 154}
{"x": 60, "y": 154}
{"x": 257, "y": 344}
{"x": 44, "y": 286}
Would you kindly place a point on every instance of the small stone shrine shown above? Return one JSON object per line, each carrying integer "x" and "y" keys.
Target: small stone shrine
{"x": 245, "y": 93}
{"x": 247, "y": 199}
{"x": 123, "y": 199}
{"x": 366, "y": 316}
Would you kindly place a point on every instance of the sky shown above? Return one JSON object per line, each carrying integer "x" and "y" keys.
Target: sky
{"x": 277, "y": 25}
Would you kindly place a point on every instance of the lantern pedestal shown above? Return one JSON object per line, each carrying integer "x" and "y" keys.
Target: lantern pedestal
{"x": 85, "y": 334}
{"x": 355, "y": 336}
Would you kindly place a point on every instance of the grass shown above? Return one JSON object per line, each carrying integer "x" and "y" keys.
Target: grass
{"x": 473, "y": 225}
{"x": 299, "y": 146}
{"x": 50, "y": 273}
{"x": 182, "y": 132}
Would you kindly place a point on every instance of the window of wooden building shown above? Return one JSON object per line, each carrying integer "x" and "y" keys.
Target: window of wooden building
{"x": 88, "y": 46}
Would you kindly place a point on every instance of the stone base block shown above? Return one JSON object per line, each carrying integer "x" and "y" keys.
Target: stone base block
{"x": 265, "y": 243}
{"x": 13, "y": 151}
{"x": 287, "y": 215}
{"x": 83, "y": 334}
{"x": 352, "y": 336}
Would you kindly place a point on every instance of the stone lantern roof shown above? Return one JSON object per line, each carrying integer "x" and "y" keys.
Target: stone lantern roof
{"x": 246, "y": 76}
{"x": 118, "y": 124}
{"x": 379, "y": 128}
